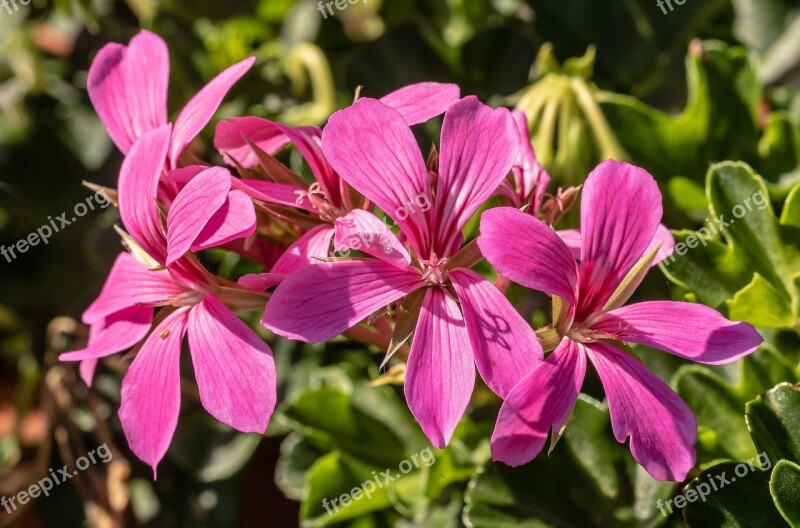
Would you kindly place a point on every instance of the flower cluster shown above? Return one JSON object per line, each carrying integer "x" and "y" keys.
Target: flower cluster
{"x": 411, "y": 282}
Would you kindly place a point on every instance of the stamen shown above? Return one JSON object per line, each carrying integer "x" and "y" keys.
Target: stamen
{"x": 433, "y": 270}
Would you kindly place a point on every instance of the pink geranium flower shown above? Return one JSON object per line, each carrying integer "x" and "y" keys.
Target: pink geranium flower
{"x": 620, "y": 214}
{"x": 128, "y": 89}
{"x": 329, "y": 201}
{"x": 372, "y": 147}
{"x": 528, "y": 180}
{"x": 234, "y": 367}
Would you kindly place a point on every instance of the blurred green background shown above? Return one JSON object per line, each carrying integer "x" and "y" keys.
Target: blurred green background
{"x": 673, "y": 91}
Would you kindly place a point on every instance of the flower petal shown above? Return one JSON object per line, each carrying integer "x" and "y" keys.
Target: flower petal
{"x": 440, "y": 374}
{"x": 276, "y": 193}
{"x": 312, "y": 246}
{"x": 373, "y": 149}
{"x": 505, "y": 346}
{"x": 130, "y": 283}
{"x": 151, "y": 391}
{"x": 420, "y": 102}
{"x": 119, "y": 331}
{"x": 527, "y": 251}
{"x": 233, "y": 137}
{"x": 234, "y": 368}
{"x": 128, "y": 87}
{"x": 688, "y": 330}
{"x": 661, "y": 426}
{"x": 572, "y": 238}
{"x": 202, "y": 107}
{"x": 542, "y": 400}
{"x": 362, "y": 230}
{"x": 478, "y": 148}
{"x": 663, "y": 237}
{"x": 319, "y": 302}
{"x": 529, "y": 175}
{"x": 86, "y": 369}
{"x": 666, "y": 240}
{"x": 620, "y": 212}
{"x": 138, "y": 188}
{"x": 193, "y": 208}
{"x": 235, "y": 219}
{"x": 261, "y": 282}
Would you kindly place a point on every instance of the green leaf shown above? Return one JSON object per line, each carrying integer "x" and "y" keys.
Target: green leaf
{"x": 587, "y": 467}
{"x": 785, "y": 488}
{"x": 719, "y": 411}
{"x": 772, "y": 419}
{"x": 740, "y": 500}
{"x": 791, "y": 209}
{"x": 748, "y": 305}
{"x": 297, "y": 457}
{"x": 332, "y": 419}
{"x": 754, "y": 272}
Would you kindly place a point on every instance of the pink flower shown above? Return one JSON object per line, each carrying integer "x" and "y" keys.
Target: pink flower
{"x": 128, "y": 88}
{"x": 329, "y": 200}
{"x": 234, "y": 368}
{"x": 620, "y": 214}
{"x": 528, "y": 180}
{"x": 372, "y": 147}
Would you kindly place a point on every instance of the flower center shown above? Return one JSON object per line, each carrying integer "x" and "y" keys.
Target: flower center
{"x": 433, "y": 270}
{"x": 583, "y": 334}
{"x": 319, "y": 201}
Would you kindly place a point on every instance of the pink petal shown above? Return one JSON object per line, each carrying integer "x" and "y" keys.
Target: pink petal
{"x": 151, "y": 391}
{"x": 527, "y": 251}
{"x": 233, "y": 137}
{"x": 420, "y": 102}
{"x": 661, "y": 426}
{"x": 372, "y": 148}
{"x": 130, "y": 283}
{"x": 260, "y": 282}
{"x": 235, "y": 219}
{"x": 620, "y": 212}
{"x": 138, "y": 188}
{"x": 478, "y": 148}
{"x": 128, "y": 87}
{"x": 440, "y": 374}
{"x": 193, "y": 208}
{"x": 529, "y": 175}
{"x": 572, "y": 238}
{"x": 667, "y": 241}
{"x": 202, "y": 107}
{"x": 688, "y": 330}
{"x": 234, "y": 368}
{"x": 276, "y": 193}
{"x": 542, "y": 400}
{"x": 363, "y": 231}
{"x": 86, "y": 370}
{"x": 319, "y": 302}
{"x": 306, "y": 250}
{"x": 505, "y": 346}
{"x": 119, "y": 331}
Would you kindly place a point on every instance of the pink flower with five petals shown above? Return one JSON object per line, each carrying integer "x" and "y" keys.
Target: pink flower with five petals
{"x": 620, "y": 215}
